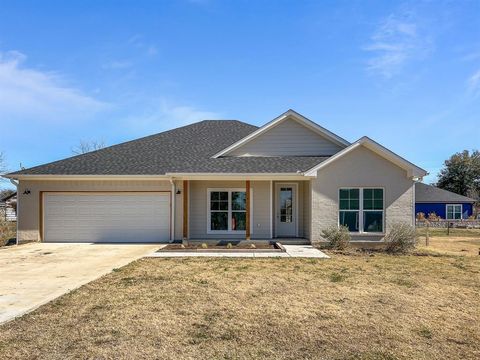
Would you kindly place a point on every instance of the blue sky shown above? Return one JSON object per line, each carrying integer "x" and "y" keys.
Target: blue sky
{"x": 406, "y": 74}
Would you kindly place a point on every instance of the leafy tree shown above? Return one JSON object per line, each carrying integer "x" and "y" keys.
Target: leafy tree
{"x": 461, "y": 174}
{"x": 87, "y": 146}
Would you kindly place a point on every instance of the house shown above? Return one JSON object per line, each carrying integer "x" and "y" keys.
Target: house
{"x": 445, "y": 204}
{"x": 223, "y": 180}
{"x": 8, "y": 207}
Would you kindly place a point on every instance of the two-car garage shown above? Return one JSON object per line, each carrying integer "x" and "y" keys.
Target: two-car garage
{"x": 106, "y": 216}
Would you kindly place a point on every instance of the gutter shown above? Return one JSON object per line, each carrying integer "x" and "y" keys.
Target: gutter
{"x": 172, "y": 216}
{"x": 85, "y": 177}
{"x": 15, "y": 183}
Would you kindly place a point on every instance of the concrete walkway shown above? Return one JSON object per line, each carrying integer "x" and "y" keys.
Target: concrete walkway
{"x": 34, "y": 274}
{"x": 298, "y": 251}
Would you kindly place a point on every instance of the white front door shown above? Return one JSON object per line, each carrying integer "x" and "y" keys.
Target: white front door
{"x": 286, "y": 210}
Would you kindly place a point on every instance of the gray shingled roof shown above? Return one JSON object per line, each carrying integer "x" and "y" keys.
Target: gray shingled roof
{"x": 187, "y": 149}
{"x": 432, "y": 194}
{"x": 7, "y": 197}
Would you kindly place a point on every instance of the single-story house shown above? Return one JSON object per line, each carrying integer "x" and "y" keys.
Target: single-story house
{"x": 220, "y": 179}
{"x": 445, "y": 204}
{"x": 8, "y": 207}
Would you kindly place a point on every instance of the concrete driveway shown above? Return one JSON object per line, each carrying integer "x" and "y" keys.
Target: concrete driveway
{"x": 34, "y": 274}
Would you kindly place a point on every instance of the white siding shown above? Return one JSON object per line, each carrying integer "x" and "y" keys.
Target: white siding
{"x": 10, "y": 214}
{"x": 288, "y": 138}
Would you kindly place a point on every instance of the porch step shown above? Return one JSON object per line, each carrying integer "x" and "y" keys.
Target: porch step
{"x": 293, "y": 241}
{"x": 285, "y": 241}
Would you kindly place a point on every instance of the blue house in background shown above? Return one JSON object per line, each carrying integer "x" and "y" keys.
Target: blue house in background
{"x": 446, "y": 204}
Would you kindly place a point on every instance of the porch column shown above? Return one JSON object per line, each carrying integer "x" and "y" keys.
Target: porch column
{"x": 185, "y": 209}
{"x": 247, "y": 210}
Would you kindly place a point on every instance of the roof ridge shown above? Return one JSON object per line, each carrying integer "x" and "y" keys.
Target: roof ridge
{"x": 436, "y": 188}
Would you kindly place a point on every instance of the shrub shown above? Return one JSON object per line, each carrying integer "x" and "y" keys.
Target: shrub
{"x": 400, "y": 239}
{"x": 229, "y": 245}
{"x": 337, "y": 237}
{"x": 434, "y": 217}
{"x": 7, "y": 231}
{"x": 420, "y": 216}
{"x": 204, "y": 246}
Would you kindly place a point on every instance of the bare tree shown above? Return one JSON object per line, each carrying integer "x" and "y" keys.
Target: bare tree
{"x": 3, "y": 163}
{"x": 3, "y": 170}
{"x": 87, "y": 146}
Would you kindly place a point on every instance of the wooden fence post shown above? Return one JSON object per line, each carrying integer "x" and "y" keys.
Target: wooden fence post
{"x": 427, "y": 237}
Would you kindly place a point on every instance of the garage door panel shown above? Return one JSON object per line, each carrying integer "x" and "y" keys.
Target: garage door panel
{"x": 140, "y": 217}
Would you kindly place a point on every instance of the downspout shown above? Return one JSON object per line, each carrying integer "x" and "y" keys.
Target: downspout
{"x": 172, "y": 216}
{"x": 15, "y": 183}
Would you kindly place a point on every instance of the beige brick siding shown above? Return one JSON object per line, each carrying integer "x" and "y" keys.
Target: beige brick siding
{"x": 360, "y": 168}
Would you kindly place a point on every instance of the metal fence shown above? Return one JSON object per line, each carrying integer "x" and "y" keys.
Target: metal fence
{"x": 458, "y": 224}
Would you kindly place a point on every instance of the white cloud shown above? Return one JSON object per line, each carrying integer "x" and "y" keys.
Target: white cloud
{"x": 473, "y": 83}
{"x": 117, "y": 64}
{"x": 396, "y": 42}
{"x": 139, "y": 42}
{"x": 163, "y": 115}
{"x": 472, "y": 56}
{"x": 28, "y": 92}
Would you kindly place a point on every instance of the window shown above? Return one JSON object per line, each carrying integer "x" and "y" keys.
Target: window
{"x": 373, "y": 210}
{"x": 226, "y": 210}
{"x": 362, "y": 209}
{"x": 286, "y": 202}
{"x": 350, "y": 208}
{"x": 454, "y": 212}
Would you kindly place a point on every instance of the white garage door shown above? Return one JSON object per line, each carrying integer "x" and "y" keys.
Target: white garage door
{"x": 107, "y": 217}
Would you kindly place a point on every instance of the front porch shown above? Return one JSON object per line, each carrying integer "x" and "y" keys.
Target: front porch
{"x": 283, "y": 241}
{"x": 216, "y": 211}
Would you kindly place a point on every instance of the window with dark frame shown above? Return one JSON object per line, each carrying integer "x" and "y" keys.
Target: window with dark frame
{"x": 362, "y": 209}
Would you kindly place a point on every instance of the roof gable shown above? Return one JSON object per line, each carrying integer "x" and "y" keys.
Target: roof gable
{"x": 290, "y": 134}
{"x": 432, "y": 194}
{"x": 413, "y": 171}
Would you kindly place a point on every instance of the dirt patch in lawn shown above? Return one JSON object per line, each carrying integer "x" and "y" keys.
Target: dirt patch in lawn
{"x": 357, "y": 307}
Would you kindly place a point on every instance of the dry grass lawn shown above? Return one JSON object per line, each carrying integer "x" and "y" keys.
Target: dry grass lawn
{"x": 354, "y": 307}
{"x": 464, "y": 242}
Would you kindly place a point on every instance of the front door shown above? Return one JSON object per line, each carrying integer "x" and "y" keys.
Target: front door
{"x": 286, "y": 210}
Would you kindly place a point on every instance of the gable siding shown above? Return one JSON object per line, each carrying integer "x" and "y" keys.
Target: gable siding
{"x": 289, "y": 138}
